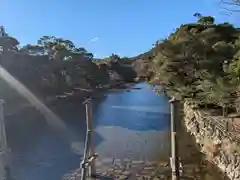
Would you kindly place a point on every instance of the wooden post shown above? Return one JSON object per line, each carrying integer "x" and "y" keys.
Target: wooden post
{"x": 92, "y": 168}
{"x": 88, "y": 163}
{"x": 3, "y": 143}
{"x": 174, "y": 149}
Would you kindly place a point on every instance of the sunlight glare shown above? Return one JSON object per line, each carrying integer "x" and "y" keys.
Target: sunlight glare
{"x": 51, "y": 118}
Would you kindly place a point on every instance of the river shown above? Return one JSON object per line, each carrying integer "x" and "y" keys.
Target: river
{"x": 130, "y": 124}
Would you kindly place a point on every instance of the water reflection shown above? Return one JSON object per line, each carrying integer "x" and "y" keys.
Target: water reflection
{"x": 136, "y": 110}
{"x": 134, "y": 120}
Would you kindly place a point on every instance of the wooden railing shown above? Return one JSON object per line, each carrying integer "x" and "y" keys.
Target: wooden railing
{"x": 227, "y": 125}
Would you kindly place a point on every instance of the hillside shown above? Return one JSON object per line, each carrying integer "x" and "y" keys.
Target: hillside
{"x": 200, "y": 63}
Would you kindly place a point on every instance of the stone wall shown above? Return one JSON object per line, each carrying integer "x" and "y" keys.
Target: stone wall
{"x": 220, "y": 146}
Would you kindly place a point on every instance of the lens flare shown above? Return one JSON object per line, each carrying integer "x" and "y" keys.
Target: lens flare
{"x": 52, "y": 119}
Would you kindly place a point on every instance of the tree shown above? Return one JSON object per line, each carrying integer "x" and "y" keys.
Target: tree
{"x": 8, "y": 44}
{"x": 3, "y": 32}
{"x": 60, "y": 49}
{"x": 230, "y": 5}
{"x": 205, "y": 20}
{"x": 32, "y": 50}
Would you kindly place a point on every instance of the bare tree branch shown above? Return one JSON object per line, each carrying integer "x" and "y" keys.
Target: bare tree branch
{"x": 230, "y": 5}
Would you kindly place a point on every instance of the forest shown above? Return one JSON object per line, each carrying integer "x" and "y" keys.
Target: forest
{"x": 199, "y": 63}
{"x": 55, "y": 66}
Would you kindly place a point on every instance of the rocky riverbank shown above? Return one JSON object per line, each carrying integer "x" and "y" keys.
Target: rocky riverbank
{"x": 218, "y": 143}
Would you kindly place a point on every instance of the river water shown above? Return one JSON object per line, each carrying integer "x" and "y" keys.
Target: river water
{"x": 133, "y": 124}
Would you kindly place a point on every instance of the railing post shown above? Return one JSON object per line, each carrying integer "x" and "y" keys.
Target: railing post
{"x": 174, "y": 149}
{"x": 92, "y": 168}
{"x": 3, "y": 143}
{"x": 88, "y": 163}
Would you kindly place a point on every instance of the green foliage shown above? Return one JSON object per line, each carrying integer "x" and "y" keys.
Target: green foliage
{"x": 199, "y": 62}
{"x": 122, "y": 66}
{"x": 205, "y": 20}
{"x": 55, "y": 65}
{"x": 8, "y": 44}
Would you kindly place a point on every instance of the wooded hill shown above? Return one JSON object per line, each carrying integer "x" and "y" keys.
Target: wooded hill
{"x": 54, "y": 66}
{"x": 199, "y": 62}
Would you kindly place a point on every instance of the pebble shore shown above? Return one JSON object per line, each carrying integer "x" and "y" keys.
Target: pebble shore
{"x": 114, "y": 169}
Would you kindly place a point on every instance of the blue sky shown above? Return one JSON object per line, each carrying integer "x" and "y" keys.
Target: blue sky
{"x": 125, "y": 27}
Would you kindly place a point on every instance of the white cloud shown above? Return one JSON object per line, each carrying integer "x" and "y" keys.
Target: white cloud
{"x": 94, "y": 39}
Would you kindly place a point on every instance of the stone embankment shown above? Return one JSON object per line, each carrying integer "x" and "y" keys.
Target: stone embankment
{"x": 219, "y": 142}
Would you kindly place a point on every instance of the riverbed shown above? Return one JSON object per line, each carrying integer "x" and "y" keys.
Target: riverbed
{"x": 130, "y": 124}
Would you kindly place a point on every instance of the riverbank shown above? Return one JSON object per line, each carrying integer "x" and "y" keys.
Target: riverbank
{"x": 220, "y": 149}
{"x": 15, "y": 103}
{"x": 219, "y": 145}
{"x": 190, "y": 152}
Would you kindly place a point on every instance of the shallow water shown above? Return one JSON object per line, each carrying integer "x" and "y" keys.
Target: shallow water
{"x": 132, "y": 125}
